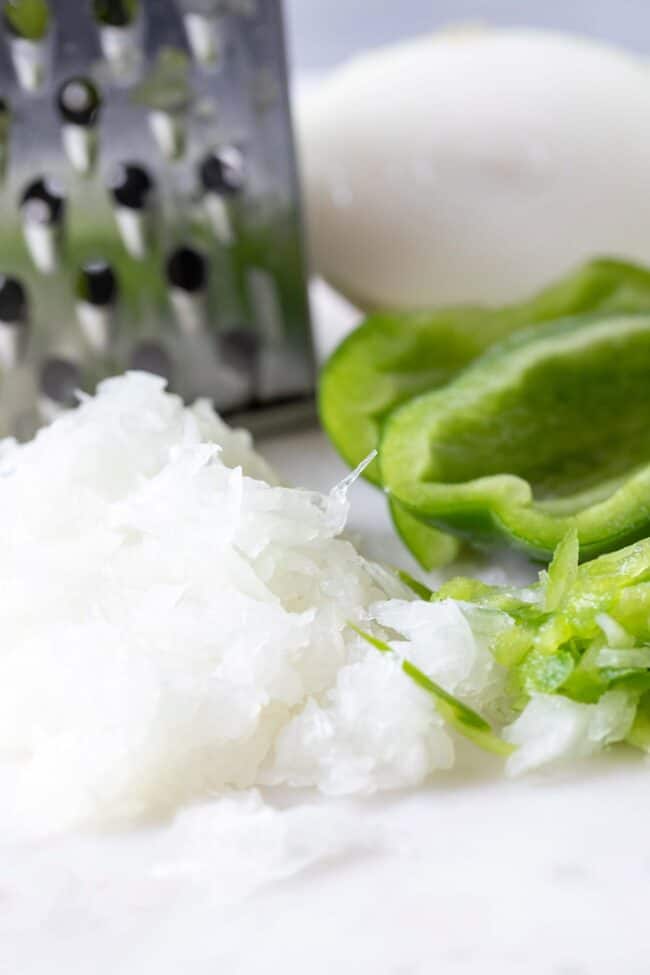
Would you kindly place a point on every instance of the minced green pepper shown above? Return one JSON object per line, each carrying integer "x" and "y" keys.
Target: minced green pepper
{"x": 579, "y": 632}
{"x": 394, "y": 357}
{"x": 548, "y": 431}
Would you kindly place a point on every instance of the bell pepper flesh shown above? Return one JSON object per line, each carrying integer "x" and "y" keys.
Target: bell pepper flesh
{"x": 548, "y": 431}
{"x": 391, "y": 358}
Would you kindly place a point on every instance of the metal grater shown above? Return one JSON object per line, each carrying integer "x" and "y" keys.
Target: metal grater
{"x": 149, "y": 209}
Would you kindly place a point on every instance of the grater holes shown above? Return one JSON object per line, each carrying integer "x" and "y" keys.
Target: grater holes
{"x": 239, "y": 348}
{"x": 205, "y": 30}
{"x": 97, "y": 284}
{"x": 79, "y": 101}
{"x": 132, "y": 192}
{"x": 131, "y": 186}
{"x": 43, "y": 208}
{"x": 186, "y": 271}
{"x": 222, "y": 171}
{"x": 28, "y": 33}
{"x": 151, "y": 356}
{"x": 59, "y": 381}
{"x": 43, "y": 201}
{"x": 222, "y": 177}
{"x": 119, "y": 27}
{"x": 14, "y": 321}
{"x": 13, "y": 301}
{"x": 97, "y": 292}
{"x": 115, "y": 13}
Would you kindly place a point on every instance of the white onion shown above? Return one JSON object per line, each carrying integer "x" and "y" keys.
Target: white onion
{"x": 175, "y": 622}
{"x": 554, "y": 729}
{"x": 475, "y": 166}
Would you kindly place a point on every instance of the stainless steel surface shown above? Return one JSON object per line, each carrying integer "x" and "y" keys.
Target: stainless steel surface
{"x": 108, "y": 129}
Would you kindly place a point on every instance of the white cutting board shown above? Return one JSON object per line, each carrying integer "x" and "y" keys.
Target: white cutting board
{"x": 474, "y": 874}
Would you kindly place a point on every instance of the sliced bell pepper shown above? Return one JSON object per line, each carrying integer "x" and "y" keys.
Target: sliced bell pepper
{"x": 548, "y": 431}
{"x": 392, "y": 358}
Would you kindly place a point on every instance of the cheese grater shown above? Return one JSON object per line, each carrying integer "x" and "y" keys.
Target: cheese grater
{"x": 149, "y": 205}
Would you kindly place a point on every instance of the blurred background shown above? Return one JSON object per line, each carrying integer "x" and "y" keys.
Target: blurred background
{"x": 322, "y": 33}
{"x": 443, "y": 172}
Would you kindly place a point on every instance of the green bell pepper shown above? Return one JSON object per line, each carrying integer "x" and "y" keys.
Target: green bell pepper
{"x": 548, "y": 431}
{"x": 392, "y": 358}
{"x": 579, "y": 632}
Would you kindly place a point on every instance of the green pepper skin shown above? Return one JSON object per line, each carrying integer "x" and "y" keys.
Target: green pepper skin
{"x": 391, "y": 358}
{"x": 548, "y": 431}
{"x": 430, "y": 548}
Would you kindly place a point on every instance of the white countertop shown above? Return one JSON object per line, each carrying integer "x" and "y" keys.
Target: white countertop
{"x": 472, "y": 874}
